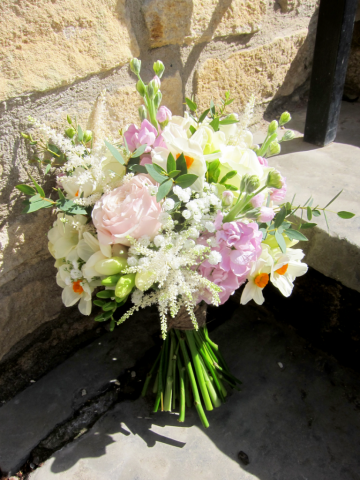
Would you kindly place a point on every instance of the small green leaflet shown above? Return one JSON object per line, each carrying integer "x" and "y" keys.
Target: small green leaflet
{"x": 80, "y": 134}
{"x": 192, "y": 129}
{"x": 309, "y": 212}
{"x": 26, "y": 189}
{"x": 345, "y": 215}
{"x": 38, "y": 188}
{"x": 47, "y": 169}
{"x": 164, "y": 189}
{"x": 115, "y": 152}
{"x": 308, "y": 225}
{"x": 174, "y": 173}
{"x": 215, "y": 124}
{"x": 192, "y": 105}
{"x": 139, "y": 151}
{"x": 60, "y": 193}
{"x": 316, "y": 213}
{"x": 170, "y": 164}
{"x": 227, "y": 177}
{"x": 138, "y": 169}
{"x": 126, "y": 145}
{"x": 186, "y": 180}
{"x": 68, "y": 119}
{"x": 70, "y": 207}
{"x": 154, "y": 172}
{"x": 212, "y": 108}
{"x": 181, "y": 164}
{"x": 295, "y": 235}
{"x": 264, "y": 233}
{"x": 228, "y": 121}
{"x": 280, "y": 241}
{"x": 203, "y": 115}
{"x": 230, "y": 187}
{"x": 333, "y": 200}
{"x": 34, "y": 206}
{"x": 280, "y": 217}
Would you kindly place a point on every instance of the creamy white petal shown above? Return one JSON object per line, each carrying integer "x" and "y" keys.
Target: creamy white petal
{"x": 85, "y": 306}
{"x": 283, "y": 283}
{"x": 69, "y": 297}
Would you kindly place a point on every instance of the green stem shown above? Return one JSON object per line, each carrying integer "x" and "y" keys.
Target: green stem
{"x": 181, "y": 389}
{"x": 174, "y": 375}
{"x": 198, "y": 369}
{"x": 191, "y": 375}
{"x": 156, "y": 383}
{"x": 169, "y": 377}
{"x": 187, "y": 390}
{"x": 160, "y": 378}
{"x": 213, "y": 395}
{"x": 149, "y": 375}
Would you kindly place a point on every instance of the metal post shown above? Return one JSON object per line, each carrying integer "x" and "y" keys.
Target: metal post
{"x": 332, "y": 48}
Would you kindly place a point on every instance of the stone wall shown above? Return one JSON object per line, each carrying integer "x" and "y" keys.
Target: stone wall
{"x": 60, "y": 56}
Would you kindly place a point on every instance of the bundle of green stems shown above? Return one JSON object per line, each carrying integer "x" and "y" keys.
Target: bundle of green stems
{"x": 189, "y": 367}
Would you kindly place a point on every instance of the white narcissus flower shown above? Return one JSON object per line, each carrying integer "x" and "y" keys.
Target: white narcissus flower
{"x": 65, "y": 235}
{"x": 258, "y": 278}
{"x": 81, "y": 182}
{"x": 286, "y": 268}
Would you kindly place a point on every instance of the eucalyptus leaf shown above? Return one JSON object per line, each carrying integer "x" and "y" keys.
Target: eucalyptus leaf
{"x": 203, "y": 115}
{"x": 280, "y": 217}
{"x": 174, "y": 173}
{"x": 151, "y": 170}
{"x": 139, "y": 151}
{"x": 26, "y": 189}
{"x": 170, "y": 164}
{"x": 316, "y": 213}
{"x": 47, "y": 169}
{"x": 227, "y": 177}
{"x": 80, "y": 134}
{"x": 230, "y": 187}
{"x": 38, "y": 188}
{"x": 186, "y": 180}
{"x": 192, "y": 129}
{"x": 164, "y": 189}
{"x": 115, "y": 152}
{"x": 295, "y": 235}
{"x": 309, "y": 212}
{"x": 192, "y": 105}
{"x": 308, "y": 225}
{"x": 181, "y": 164}
{"x": 280, "y": 241}
{"x": 333, "y": 200}
{"x": 212, "y": 108}
{"x": 345, "y": 215}
{"x": 215, "y": 124}
{"x": 228, "y": 121}
{"x": 33, "y": 207}
{"x": 138, "y": 168}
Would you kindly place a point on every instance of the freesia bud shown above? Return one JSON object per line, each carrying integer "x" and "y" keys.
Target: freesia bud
{"x": 273, "y": 127}
{"x": 274, "y": 148}
{"x": 285, "y": 118}
{"x": 288, "y": 135}
{"x": 157, "y": 99}
{"x": 228, "y": 198}
{"x": 110, "y": 266}
{"x": 142, "y": 113}
{"x": 274, "y": 179}
{"x": 87, "y": 136}
{"x": 135, "y": 65}
{"x": 159, "y": 68}
{"x": 125, "y": 285}
{"x": 140, "y": 87}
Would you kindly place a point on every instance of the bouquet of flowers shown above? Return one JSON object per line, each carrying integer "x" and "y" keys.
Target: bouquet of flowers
{"x": 179, "y": 213}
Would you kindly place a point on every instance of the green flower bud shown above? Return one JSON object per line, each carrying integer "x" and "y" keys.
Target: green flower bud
{"x": 285, "y": 118}
{"x": 110, "y": 266}
{"x": 232, "y": 116}
{"x": 144, "y": 280}
{"x": 87, "y": 136}
{"x": 274, "y": 148}
{"x": 125, "y": 285}
{"x": 274, "y": 179}
{"x": 157, "y": 99}
{"x": 24, "y": 135}
{"x": 288, "y": 135}
{"x": 70, "y": 132}
{"x": 273, "y": 127}
{"x": 142, "y": 113}
{"x": 140, "y": 87}
{"x": 249, "y": 183}
{"x": 159, "y": 68}
{"x": 135, "y": 66}
{"x": 111, "y": 281}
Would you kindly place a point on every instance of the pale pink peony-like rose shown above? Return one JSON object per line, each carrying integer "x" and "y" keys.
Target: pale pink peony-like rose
{"x": 127, "y": 210}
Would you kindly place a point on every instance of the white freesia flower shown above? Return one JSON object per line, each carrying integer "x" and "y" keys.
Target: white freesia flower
{"x": 65, "y": 235}
{"x": 286, "y": 268}
{"x": 258, "y": 278}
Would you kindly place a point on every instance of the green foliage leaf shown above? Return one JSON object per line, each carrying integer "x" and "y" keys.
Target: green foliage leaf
{"x": 38, "y": 188}
{"x": 215, "y": 124}
{"x": 308, "y": 225}
{"x": 174, "y": 173}
{"x": 138, "y": 168}
{"x": 68, "y": 119}
{"x": 309, "y": 213}
{"x": 186, "y": 180}
{"x": 295, "y": 235}
{"x": 230, "y": 187}
{"x": 192, "y": 129}
{"x": 280, "y": 241}
{"x": 345, "y": 215}
{"x": 181, "y": 164}
{"x": 34, "y": 206}
{"x": 333, "y": 200}
{"x": 26, "y": 189}
{"x": 203, "y": 115}
{"x": 227, "y": 177}
{"x": 80, "y": 134}
{"x": 280, "y": 217}
{"x": 170, "y": 164}
{"x": 154, "y": 172}
{"x": 228, "y": 121}
{"x": 126, "y": 146}
{"x": 192, "y": 105}
{"x": 212, "y": 108}
{"x": 164, "y": 189}
{"x": 115, "y": 152}
{"x": 316, "y": 213}
{"x": 71, "y": 208}
{"x": 139, "y": 151}
{"x": 60, "y": 193}
{"x": 47, "y": 169}
{"x": 264, "y": 233}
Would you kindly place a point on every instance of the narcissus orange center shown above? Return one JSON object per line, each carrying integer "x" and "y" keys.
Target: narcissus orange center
{"x": 77, "y": 287}
{"x": 261, "y": 280}
{"x": 77, "y": 194}
{"x": 282, "y": 270}
{"x": 189, "y": 160}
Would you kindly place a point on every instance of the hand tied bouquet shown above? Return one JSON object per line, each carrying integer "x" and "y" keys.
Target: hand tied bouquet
{"x": 179, "y": 213}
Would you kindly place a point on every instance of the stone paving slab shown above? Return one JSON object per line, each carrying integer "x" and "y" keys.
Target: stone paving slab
{"x": 31, "y": 415}
{"x": 297, "y": 418}
{"x": 322, "y": 173}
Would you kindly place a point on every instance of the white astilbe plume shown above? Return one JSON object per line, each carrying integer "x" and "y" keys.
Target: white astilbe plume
{"x": 246, "y": 118}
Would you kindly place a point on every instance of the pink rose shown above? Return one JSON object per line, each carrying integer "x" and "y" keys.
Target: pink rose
{"x": 163, "y": 114}
{"x": 127, "y": 210}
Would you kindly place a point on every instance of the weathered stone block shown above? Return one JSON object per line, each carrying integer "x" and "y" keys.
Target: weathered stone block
{"x": 47, "y": 44}
{"x": 185, "y": 21}
{"x": 268, "y": 71}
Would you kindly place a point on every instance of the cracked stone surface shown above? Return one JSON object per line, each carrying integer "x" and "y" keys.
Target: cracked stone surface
{"x": 298, "y": 422}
